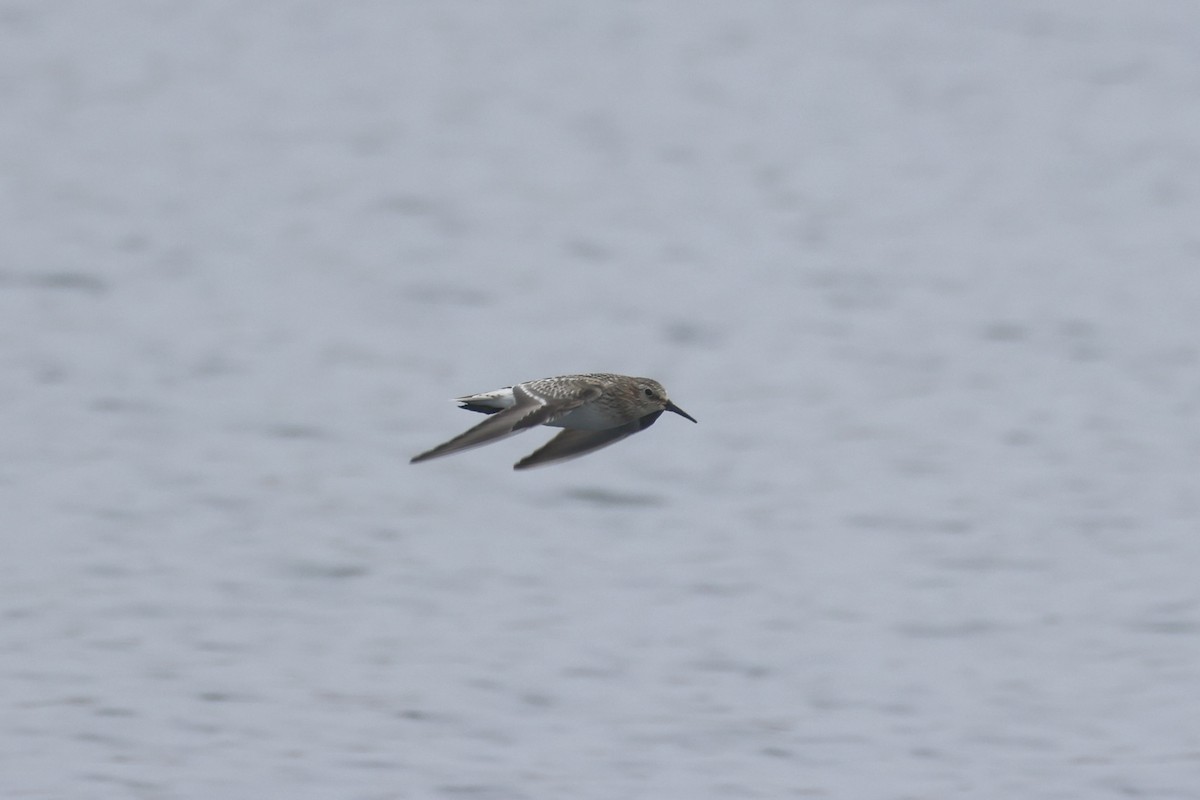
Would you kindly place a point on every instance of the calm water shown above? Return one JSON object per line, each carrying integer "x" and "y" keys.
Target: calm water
{"x": 926, "y": 275}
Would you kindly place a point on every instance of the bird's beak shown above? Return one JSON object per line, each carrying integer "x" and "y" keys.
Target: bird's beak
{"x": 672, "y": 407}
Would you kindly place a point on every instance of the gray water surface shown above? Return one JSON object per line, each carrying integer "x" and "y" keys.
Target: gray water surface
{"x": 927, "y": 274}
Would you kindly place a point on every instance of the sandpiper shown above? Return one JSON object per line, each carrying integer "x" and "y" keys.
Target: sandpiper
{"x": 596, "y": 409}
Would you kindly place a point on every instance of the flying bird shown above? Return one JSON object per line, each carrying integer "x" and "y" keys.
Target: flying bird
{"x": 594, "y": 410}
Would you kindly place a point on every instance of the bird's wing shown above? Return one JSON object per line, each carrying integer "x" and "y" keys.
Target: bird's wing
{"x": 573, "y": 442}
{"x": 531, "y": 408}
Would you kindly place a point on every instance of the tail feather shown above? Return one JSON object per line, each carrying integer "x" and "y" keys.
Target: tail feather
{"x": 482, "y": 409}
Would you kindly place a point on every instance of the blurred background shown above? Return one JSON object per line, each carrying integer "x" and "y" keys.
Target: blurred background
{"x": 926, "y": 273}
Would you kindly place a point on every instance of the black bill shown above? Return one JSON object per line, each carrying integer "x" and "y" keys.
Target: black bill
{"x": 672, "y": 407}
